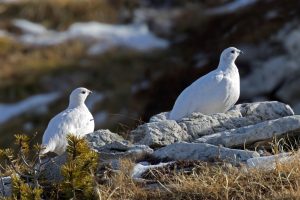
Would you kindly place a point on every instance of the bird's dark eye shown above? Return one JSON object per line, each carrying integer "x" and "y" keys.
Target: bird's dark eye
{"x": 232, "y": 51}
{"x": 83, "y": 92}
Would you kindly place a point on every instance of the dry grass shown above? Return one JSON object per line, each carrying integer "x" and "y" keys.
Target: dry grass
{"x": 180, "y": 180}
{"x": 22, "y": 67}
{"x": 207, "y": 181}
{"x": 59, "y": 14}
{"x": 121, "y": 185}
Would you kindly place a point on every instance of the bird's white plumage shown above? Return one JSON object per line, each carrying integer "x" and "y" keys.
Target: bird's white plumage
{"x": 212, "y": 93}
{"x": 76, "y": 119}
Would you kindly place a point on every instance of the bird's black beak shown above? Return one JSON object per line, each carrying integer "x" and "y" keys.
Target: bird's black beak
{"x": 241, "y": 52}
{"x": 90, "y": 92}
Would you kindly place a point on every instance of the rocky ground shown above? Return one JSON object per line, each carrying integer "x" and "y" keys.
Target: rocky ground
{"x": 45, "y": 54}
{"x": 261, "y": 135}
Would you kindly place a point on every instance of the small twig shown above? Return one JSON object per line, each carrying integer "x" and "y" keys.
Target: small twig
{"x": 24, "y": 160}
{"x": 19, "y": 173}
{"x": 36, "y": 172}
{"x": 168, "y": 190}
{"x": 98, "y": 192}
{"x": 2, "y": 167}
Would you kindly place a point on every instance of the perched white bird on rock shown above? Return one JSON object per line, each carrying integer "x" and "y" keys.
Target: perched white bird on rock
{"x": 76, "y": 119}
{"x": 216, "y": 92}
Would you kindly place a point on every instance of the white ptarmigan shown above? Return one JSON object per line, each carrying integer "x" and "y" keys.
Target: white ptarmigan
{"x": 215, "y": 92}
{"x": 76, "y": 119}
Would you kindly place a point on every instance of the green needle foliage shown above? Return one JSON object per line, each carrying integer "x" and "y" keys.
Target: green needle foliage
{"x": 20, "y": 164}
{"x": 25, "y": 166}
{"x": 24, "y": 191}
{"x": 79, "y": 170}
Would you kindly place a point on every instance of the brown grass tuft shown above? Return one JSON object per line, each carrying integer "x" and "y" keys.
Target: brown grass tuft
{"x": 208, "y": 181}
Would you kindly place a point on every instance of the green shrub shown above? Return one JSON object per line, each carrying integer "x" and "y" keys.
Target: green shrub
{"x": 24, "y": 165}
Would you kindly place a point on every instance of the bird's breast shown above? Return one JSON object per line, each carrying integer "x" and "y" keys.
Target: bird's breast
{"x": 232, "y": 90}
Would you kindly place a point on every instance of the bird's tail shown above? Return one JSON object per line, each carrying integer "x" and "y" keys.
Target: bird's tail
{"x": 47, "y": 148}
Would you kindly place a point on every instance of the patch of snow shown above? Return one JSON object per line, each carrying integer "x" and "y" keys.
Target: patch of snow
{"x": 30, "y": 27}
{"x": 31, "y": 104}
{"x": 162, "y": 20}
{"x": 140, "y": 86}
{"x": 50, "y": 38}
{"x": 142, "y": 167}
{"x": 137, "y": 37}
{"x": 10, "y": 1}
{"x": 100, "y": 36}
{"x": 100, "y": 47}
{"x": 230, "y": 7}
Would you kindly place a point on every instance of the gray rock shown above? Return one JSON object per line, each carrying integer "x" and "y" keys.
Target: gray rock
{"x": 109, "y": 145}
{"x": 253, "y": 133}
{"x": 160, "y": 131}
{"x": 291, "y": 42}
{"x": 197, "y": 124}
{"x": 102, "y": 137}
{"x": 290, "y": 91}
{"x": 159, "y": 117}
{"x": 278, "y": 74}
{"x": 156, "y": 134}
{"x": 51, "y": 170}
{"x": 124, "y": 149}
{"x": 262, "y": 111}
{"x": 5, "y": 186}
{"x": 297, "y": 108}
{"x": 109, "y": 153}
{"x": 205, "y": 152}
{"x": 267, "y": 77}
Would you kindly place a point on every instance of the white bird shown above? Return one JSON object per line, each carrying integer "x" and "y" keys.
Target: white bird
{"x": 76, "y": 120}
{"x": 215, "y": 92}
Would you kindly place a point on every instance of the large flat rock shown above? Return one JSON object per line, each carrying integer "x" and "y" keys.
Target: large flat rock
{"x": 161, "y": 132}
{"x": 157, "y": 134}
{"x": 253, "y": 133}
{"x": 102, "y": 137}
{"x": 204, "y": 152}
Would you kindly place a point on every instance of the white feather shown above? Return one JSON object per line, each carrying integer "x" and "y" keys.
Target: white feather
{"x": 215, "y": 92}
{"x": 76, "y": 119}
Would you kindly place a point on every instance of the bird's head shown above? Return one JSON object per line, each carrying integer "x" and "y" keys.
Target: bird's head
{"x": 230, "y": 54}
{"x": 78, "y": 96}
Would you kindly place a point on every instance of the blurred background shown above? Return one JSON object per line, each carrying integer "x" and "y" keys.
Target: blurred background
{"x": 137, "y": 56}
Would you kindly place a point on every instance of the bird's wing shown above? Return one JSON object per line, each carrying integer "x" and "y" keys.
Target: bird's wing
{"x": 198, "y": 91}
{"x": 71, "y": 121}
{"x": 57, "y": 125}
